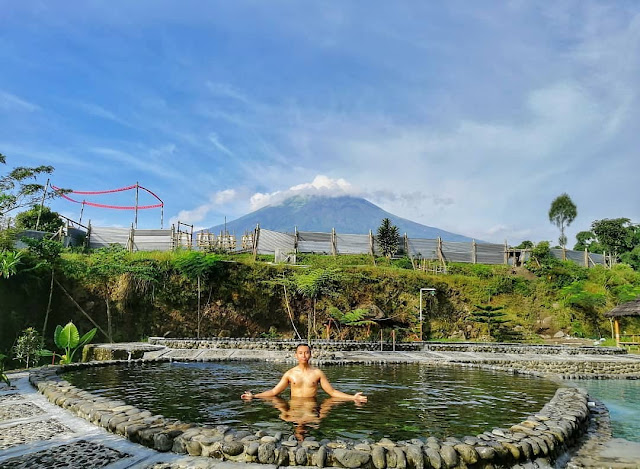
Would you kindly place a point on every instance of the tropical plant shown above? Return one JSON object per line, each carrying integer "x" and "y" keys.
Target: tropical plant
{"x": 388, "y": 237}
{"x": 3, "y": 375}
{"x": 9, "y": 261}
{"x": 68, "y": 339}
{"x": 562, "y": 213}
{"x": 27, "y": 347}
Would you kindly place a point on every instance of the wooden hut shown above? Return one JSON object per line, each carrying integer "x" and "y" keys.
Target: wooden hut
{"x": 628, "y": 309}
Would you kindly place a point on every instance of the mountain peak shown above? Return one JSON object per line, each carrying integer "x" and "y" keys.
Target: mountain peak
{"x": 347, "y": 214}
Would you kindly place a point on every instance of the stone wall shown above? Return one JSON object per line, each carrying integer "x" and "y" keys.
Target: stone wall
{"x": 541, "y": 437}
{"x": 353, "y": 345}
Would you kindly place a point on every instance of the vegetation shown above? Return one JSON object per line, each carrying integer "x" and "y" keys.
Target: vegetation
{"x": 562, "y": 213}
{"x": 39, "y": 218}
{"x": 20, "y": 187}
{"x": 491, "y": 316}
{"x": 68, "y": 338}
{"x": 28, "y": 347}
{"x": 388, "y": 238}
{"x": 3, "y": 375}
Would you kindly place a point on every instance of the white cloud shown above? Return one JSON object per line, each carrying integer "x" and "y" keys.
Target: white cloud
{"x": 321, "y": 185}
{"x": 11, "y": 102}
{"x": 216, "y": 200}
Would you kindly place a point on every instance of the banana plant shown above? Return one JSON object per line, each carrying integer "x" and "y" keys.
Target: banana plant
{"x": 3, "y": 375}
{"x": 68, "y": 339}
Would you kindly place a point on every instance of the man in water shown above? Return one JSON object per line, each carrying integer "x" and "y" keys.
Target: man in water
{"x": 304, "y": 380}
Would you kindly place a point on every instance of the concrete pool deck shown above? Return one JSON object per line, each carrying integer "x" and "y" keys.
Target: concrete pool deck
{"x": 34, "y": 433}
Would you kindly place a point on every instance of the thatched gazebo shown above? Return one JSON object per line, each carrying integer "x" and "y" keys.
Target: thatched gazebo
{"x": 628, "y": 309}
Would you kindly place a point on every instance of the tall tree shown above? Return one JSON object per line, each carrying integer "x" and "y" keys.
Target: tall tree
{"x": 388, "y": 237}
{"x": 562, "y": 213}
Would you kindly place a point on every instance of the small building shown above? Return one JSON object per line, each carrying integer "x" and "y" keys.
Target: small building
{"x": 628, "y": 309}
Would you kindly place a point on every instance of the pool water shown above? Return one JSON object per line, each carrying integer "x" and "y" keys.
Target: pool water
{"x": 405, "y": 401}
{"x": 622, "y": 398}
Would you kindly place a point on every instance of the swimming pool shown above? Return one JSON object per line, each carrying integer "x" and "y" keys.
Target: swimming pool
{"x": 405, "y": 401}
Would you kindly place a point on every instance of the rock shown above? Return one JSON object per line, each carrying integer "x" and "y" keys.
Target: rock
{"x": 266, "y": 453}
{"x": 268, "y": 439}
{"x": 351, "y": 458}
{"x": 232, "y": 448}
{"x": 559, "y": 335}
{"x": 378, "y": 457}
{"x": 434, "y": 457}
{"x": 290, "y": 443}
{"x": 162, "y": 442}
{"x": 310, "y": 444}
{"x": 301, "y": 456}
{"x": 321, "y": 456}
{"x": 486, "y": 453}
{"x": 252, "y": 448}
{"x": 449, "y": 456}
{"x": 467, "y": 453}
{"x": 193, "y": 448}
{"x": 401, "y": 457}
{"x": 415, "y": 458}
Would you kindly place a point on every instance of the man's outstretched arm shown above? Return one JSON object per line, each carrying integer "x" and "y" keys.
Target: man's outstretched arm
{"x": 281, "y": 386}
{"x": 326, "y": 385}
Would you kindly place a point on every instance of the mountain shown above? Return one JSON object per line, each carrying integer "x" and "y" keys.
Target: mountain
{"x": 348, "y": 215}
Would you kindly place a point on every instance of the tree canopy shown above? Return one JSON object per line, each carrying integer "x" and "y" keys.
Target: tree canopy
{"x": 20, "y": 187}
{"x": 43, "y": 218}
{"x": 562, "y": 213}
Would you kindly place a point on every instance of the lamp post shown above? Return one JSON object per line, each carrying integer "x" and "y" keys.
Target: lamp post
{"x": 432, "y": 292}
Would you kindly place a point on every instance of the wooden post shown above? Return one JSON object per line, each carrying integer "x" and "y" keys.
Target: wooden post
{"x": 564, "y": 253}
{"x": 393, "y": 339}
{"x": 441, "y": 257}
{"x": 87, "y": 240}
{"x": 474, "y": 252}
{"x": 162, "y": 216}
{"x": 173, "y": 236}
{"x": 371, "y": 245}
{"x": 334, "y": 248}
{"x": 130, "y": 241}
{"x": 381, "y": 338}
{"x": 44, "y": 195}
{"x": 586, "y": 258}
{"x": 506, "y": 252}
{"x": 296, "y": 239}
{"x": 616, "y": 327}
{"x": 256, "y": 236}
{"x": 136, "y": 217}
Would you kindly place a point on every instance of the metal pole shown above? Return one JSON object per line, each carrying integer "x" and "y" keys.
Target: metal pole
{"x": 44, "y": 195}
{"x": 162, "y": 216}
{"x": 136, "y": 219}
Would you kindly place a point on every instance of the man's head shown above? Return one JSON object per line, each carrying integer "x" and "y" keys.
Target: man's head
{"x": 303, "y": 353}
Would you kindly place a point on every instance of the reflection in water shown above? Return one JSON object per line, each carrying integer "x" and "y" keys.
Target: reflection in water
{"x": 304, "y": 412}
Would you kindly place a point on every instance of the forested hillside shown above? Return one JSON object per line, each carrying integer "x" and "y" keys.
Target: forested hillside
{"x": 133, "y": 296}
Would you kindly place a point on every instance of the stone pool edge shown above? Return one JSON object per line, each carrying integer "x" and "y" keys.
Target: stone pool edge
{"x": 545, "y": 435}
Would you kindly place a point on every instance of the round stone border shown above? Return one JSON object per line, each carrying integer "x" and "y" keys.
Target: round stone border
{"x": 543, "y": 436}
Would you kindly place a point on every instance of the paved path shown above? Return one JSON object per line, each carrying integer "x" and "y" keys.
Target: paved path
{"x": 35, "y": 434}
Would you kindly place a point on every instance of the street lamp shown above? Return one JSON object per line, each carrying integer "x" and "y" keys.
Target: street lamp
{"x": 432, "y": 292}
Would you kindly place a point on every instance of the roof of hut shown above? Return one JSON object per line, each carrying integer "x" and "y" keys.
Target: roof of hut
{"x": 630, "y": 308}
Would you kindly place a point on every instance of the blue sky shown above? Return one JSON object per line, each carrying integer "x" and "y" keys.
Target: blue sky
{"x": 467, "y": 116}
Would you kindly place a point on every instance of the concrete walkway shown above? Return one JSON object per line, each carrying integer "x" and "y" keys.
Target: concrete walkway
{"x": 35, "y": 434}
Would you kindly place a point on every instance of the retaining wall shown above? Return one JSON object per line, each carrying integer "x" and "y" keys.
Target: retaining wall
{"x": 354, "y": 345}
{"x": 541, "y": 437}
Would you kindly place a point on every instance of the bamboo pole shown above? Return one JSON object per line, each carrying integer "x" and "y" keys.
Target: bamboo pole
{"x": 44, "y": 195}
{"x": 334, "y": 249}
{"x": 82, "y": 310}
{"x": 616, "y": 327}
{"x": 474, "y": 252}
{"x": 136, "y": 216}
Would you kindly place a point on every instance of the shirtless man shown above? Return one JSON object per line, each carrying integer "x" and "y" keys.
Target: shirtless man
{"x": 304, "y": 380}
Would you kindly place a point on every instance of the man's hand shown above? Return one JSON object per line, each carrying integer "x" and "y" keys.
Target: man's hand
{"x": 248, "y": 395}
{"x": 359, "y": 397}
